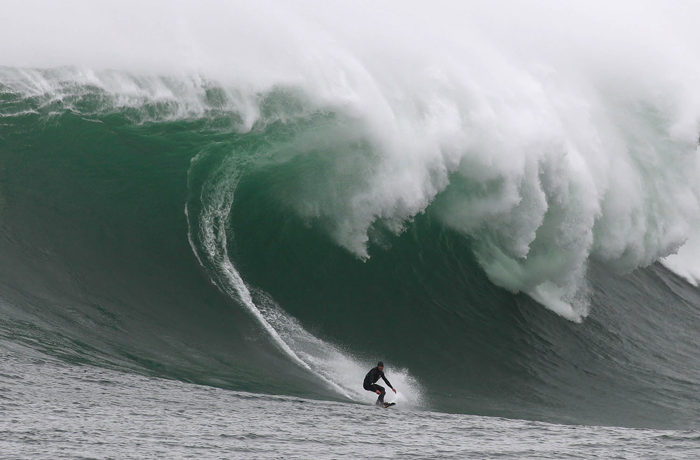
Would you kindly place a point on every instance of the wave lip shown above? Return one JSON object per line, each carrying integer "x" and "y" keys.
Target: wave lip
{"x": 685, "y": 263}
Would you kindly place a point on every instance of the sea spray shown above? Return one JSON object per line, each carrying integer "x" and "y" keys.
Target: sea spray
{"x": 549, "y": 142}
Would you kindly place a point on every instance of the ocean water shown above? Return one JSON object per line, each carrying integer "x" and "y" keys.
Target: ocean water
{"x": 234, "y": 210}
{"x": 55, "y": 410}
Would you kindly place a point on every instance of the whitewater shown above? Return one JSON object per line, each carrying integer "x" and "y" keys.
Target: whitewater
{"x": 579, "y": 131}
{"x": 268, "y": 197}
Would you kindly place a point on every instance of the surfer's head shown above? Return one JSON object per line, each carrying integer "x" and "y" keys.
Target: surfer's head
{"x": 380, "y": 366}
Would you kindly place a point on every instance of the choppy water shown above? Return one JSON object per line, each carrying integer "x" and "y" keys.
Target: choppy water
{"x": 51, "y": 409}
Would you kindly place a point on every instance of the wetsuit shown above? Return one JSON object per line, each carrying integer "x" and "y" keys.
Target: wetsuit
{"x": 370, "y": 383}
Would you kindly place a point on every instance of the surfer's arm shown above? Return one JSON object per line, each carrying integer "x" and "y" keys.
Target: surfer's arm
{"x": 387, "y": 382}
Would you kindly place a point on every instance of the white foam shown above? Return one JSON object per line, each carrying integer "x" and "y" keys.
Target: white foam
{"x": 556, "y": 133}
{"x": 686, "y": 262}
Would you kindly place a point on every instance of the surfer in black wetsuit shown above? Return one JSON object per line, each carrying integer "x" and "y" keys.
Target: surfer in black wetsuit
{"x": 370, "y": 383}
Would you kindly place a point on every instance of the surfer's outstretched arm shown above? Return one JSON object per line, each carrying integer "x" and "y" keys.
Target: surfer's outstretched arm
{"x": 388, "y": 383}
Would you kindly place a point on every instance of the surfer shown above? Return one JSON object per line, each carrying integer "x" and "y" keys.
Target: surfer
{"x": 370, "y": 383}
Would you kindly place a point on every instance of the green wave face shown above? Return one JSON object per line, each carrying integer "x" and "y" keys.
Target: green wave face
{"x": 286, "y": 251}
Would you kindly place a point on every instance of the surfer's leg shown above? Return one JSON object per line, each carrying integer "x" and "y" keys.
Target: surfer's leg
{"x": 380, "y": 399}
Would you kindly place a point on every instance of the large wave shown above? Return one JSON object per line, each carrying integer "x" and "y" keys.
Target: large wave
{"x": 550, "y": 136}
{"x": 383, "y": 160}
